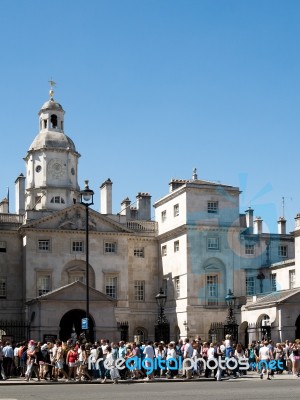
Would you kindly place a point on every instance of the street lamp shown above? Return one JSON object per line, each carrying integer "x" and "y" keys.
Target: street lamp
{"x": 86, "y": 198}
{"x": 162, "y": 327}
{"x": 230, "y": 326}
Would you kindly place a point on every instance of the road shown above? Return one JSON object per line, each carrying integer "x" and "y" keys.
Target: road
{"x": 226, "y": 390}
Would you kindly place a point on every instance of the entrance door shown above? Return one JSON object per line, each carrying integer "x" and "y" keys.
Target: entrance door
{"x": 72, "y": 320}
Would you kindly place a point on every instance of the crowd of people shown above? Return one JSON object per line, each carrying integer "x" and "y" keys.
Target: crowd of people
{"x": 79, "y": 360}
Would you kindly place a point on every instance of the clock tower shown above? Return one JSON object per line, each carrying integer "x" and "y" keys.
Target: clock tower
{"x": 51, "y": 162}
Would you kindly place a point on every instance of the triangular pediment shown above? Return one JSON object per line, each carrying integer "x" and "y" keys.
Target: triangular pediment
{"x": 75, "y": 291}
{"x": 74, "y": 218}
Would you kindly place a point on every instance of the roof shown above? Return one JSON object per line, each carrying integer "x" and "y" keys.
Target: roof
{"x": 75, "y": 291}
{"x": 52, "y": 139}
{"x": 273, "y": 298}
{"x": 51, "y": 105}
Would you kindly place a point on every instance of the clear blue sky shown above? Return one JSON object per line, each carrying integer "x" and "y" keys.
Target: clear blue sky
{"x": 154, "y": 88}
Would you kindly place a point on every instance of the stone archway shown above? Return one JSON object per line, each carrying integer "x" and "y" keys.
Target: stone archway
{"x": 72, "y": 319}
{"x": 297, "y": 324}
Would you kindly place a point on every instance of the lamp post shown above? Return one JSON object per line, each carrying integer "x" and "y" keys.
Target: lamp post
{"x": 162, "y": 327}
{"x": 86, "y": 198}
{"x": 230, "y": 327}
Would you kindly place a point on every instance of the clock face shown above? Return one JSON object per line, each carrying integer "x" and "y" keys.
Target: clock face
{"x": 56, "y": 168}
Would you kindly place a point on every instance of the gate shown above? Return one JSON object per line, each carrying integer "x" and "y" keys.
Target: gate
{"x": 14, "y": 331}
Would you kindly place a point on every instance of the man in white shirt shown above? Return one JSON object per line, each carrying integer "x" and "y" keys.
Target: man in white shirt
{"x": 188, "y": 353}
{"x": 265, "y": 355}
{"x": 149, "y": 353}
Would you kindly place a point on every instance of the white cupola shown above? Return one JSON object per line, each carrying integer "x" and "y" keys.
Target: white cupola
{"x": 51, "y": 162}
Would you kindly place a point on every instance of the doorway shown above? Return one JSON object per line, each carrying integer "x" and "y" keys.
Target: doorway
{"x": 70, "y": 324}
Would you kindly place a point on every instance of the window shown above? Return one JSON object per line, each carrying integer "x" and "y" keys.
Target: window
{"x": 2, "y": 247}
{"x": 43, "y": 284}
{"x": 282, "y": 251}
{"x": 212, "y": 207}
{"x": 139, "y": 290}
{"x": 292, "y": 279}
{"x": 111, "y": 283}
{"x": 177, "y": 287}
{"x": 249, "y": 249}
{"x": 176, "y": 210}
{"x": 212, "y": 289}
{"x": 53, "y": 120}
{"x": 163, "y": 216}
{"x": 164, "y": 250}
{"x": 2, "y": 288}
{"x": 77, "y": 246}
{"x": 139, "y": 252}
{"x": 176, "y": 246}
{"x": 44, "y": 245}
{"x": 273, "y": 282}
{"x": 75, "y": 276}
{"x": 250, "y": 285}
{"x": 110, "y": 247}
{"x": 213, "y": 243}
{"x": 57, "y": 200}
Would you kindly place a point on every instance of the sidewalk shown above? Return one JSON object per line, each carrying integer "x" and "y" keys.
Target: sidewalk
{"x": 250, "y": 375}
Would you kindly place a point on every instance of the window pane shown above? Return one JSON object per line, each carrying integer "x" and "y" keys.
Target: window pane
{"x": 44, "y": 245}
{"x": 111, "y": 286}
{"x": 250, "y": 285}
{"x": 292, "y": 279}
{"x": 176, "y": 246}
{"x": 176, "y": 210}
{"x": 212, "y": 243}
{"x": 212, "y": 207}
{"x": 212, "y": 289}
{"x": 43, "y": 284}
{"x": 139, "y": 252}
{"x": 139, "y": 290}
{"x": 110, "y": 247}
{"x": 273, "y": 283}
{"x": 77, "y": 246}
{"x": 249, "y": 249}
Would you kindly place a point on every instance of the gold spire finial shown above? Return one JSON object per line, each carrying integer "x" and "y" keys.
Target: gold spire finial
{"x": 51, "y": 91}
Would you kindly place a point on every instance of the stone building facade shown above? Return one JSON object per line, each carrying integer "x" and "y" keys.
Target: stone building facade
{"x": 198, "y": 248}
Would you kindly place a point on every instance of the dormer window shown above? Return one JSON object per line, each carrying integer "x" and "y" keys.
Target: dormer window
{"x": 53, "y": 121}
{"x": 57, "y": 200}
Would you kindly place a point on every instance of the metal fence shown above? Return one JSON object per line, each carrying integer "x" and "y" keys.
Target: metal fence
{"x": 14, "y": 331}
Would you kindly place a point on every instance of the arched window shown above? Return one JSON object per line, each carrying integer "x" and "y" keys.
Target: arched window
{"x": 53, "y": 121}
{"x": 57, "y": 200}
{"x": 140, "y": 335}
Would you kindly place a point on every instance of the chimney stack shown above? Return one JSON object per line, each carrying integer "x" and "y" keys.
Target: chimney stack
{"x": 144, "y": 206}
{"x": 125, "y": 208}
{"x": 258, "y": 225}
{"x": 4, "y": 206}
{"x": 282, "y": 226}
{"x": 249, "y": 219}
{"x": 106, "y": 197}
{"x": 20, "y": 194}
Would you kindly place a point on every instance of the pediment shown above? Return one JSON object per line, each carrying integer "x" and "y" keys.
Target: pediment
{"x": 74, "y": 218}
{"x": 75, "y": 291}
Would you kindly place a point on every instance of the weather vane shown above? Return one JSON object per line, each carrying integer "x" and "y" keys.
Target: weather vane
{"x": 51, "y": 91}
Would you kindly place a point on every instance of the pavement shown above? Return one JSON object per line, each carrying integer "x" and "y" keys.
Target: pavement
{"x": 251, "y": 375}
